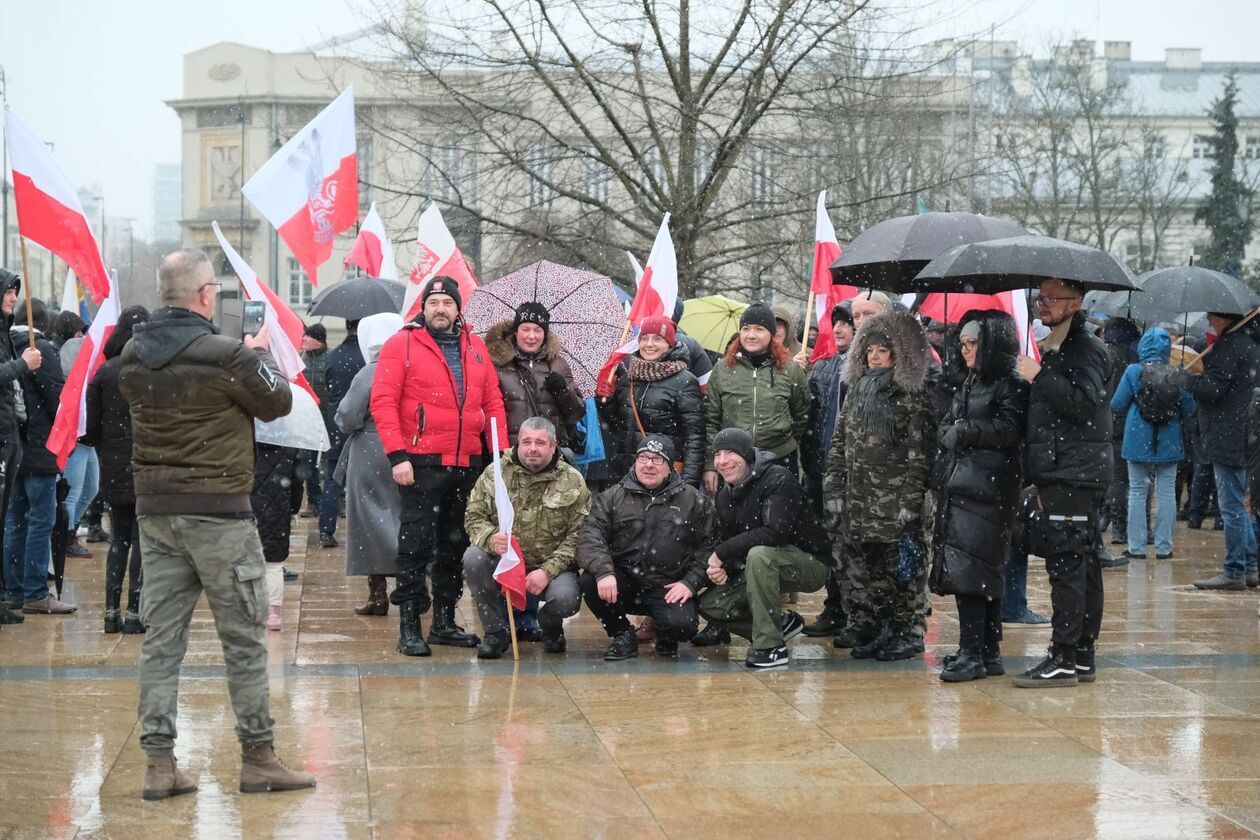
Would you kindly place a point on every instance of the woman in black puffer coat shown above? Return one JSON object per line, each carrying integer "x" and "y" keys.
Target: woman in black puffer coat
{"x": 977, "y": 479}
{"x": 656, "y": 394}
{"x": 109, "y": 431}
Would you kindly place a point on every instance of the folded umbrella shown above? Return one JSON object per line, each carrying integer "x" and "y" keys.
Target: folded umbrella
{"x": 1022, "y": 262}
{"x": 358, "y": 298}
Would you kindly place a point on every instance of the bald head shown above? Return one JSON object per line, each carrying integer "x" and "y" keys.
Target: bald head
{"x": 182, "y": 280}
{"x": 869, "y": 303}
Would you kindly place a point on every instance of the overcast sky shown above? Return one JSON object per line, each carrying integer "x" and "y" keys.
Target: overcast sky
{"x": 92, "y": 77}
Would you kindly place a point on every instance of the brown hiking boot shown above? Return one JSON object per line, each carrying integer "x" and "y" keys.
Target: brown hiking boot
{"x": 162, "y": 779}
{"x": 262, "y": 771}
{"x": 48, "y": 605}
{"x": 378, "y": 597}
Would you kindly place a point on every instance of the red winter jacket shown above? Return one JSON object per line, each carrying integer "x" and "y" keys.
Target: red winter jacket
{"x": 415, "y": 405}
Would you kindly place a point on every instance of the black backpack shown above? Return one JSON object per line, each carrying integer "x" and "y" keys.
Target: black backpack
{"x": 1159, "y": 393}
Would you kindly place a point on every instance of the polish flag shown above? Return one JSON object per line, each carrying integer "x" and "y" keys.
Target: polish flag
{"x": 436, "y": 254}
{"x": 510, "y": 573}
{"x": 48, "y": 208}
{"x": 826, "y": 251}
{"x": 309, "y": 190}
{"x": 284, "y": 328}
{"x": 658, "y": 286}
{"x": 949, "y": 309}
{"x": 71, "y": 421}
{"x": 373, "y": 251}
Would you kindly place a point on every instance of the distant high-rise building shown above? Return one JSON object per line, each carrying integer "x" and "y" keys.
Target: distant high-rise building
{"x": 167, "y": 202}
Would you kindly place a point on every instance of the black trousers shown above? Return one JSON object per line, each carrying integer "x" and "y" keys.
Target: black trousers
{"x": 1065, "y": 531}
{"x": 10, "y": 460}
{"x": 980, "y": 624}
{"x": 674, "y": 622}
{"x": 124, "y": 540}
{"x": 431, "y": 538}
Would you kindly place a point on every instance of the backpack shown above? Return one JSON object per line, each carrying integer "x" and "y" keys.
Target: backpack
{"x": 1159, "y": 393}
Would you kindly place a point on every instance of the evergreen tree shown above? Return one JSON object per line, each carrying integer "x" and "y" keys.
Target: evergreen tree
{"x": 1226, "y": 212}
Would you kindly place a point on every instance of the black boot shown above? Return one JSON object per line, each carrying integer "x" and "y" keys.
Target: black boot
{"x": 410, "y": 635}
{"x": 846, "y": 638}
{"x": 963, "y": 667}
{"x": 113, "y": 615}
{"x": 711, "y": 635}
{"x": 899, "y": 645}
{"x": 494, "y": 645}
{"x": 446, "y": 632}
{"x": 624, "y": 646}
{"x": 869, "y": 642}
{"x": 132, "y": 625}
{"x": 553, "y": 639}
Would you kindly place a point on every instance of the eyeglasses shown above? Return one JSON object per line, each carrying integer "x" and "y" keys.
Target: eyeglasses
{"x": 969, "y": 343}
{"x": 648, "y": 458}
{"x": 1050, "y": 300}
{"x": 218, "y": 283}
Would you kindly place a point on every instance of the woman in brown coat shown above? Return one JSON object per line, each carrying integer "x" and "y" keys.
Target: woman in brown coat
{"x": 535, "y": 380}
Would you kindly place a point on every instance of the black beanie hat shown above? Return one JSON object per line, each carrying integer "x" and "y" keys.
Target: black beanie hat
{"x": 737, "y": 441}
{"x": 759, "y": 315}
{"x": 442, "y": 286}
{"x": 658, "y": 445}
{"x": 318, "y": 332}
{"x": 532, "y": 312}
{"x": 842, "y": 311}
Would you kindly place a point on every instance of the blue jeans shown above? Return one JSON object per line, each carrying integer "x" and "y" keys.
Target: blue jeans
{"x": 1015, "y": 598}
{"x": 1165, "y": 511}
{"x": 83, "y": 474}
{"x": 310, "y": 458}
{"x": 330, "y": 495}
{"x": 28, "y": 538}
{"x": 1240, "y": 537}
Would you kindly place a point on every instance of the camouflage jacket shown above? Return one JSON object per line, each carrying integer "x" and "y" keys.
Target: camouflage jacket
{"x": 550, "y": 508}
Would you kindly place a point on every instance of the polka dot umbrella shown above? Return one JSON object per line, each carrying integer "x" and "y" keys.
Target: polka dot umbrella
{"x": 586, "y": 314}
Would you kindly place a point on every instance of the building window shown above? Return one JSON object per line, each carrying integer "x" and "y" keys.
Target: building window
{"x": 595, "y": 176}
{"x": 540, "y": 164}
{"x": 364, "y": 154}
{"x": 1200, "y": 148}
{"x": 300, "y": 289}
{"x": 762, "y": 179}
{"x": 1251, "y": 148}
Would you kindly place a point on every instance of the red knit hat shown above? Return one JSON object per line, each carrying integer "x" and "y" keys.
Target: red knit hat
{"x": 658, "y": 325}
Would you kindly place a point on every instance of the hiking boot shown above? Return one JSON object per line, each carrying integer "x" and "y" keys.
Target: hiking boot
{"x": 1086, "y": 672}
{"x": 48, "y": 605}
{"x": 1056, "y": 670}
{"x": 775, "y": 657}
{"x": 666, "y": 647}
{"x": 711, "y": 635}
{"x": 97, "y": 534}
{"x": 1221, "y": 581}
{"x": 827, "y": 624}
{"x": 410, "y": 634}
{"x": 74, "y": 548}
{"x": 8, "y": 616}
{"x": 792, "y": 624}
{"x": 1027, "y": 617}
{"x": 113, "y": 621}
{"x": 273, "y": 618}
{"x": 132, "y": 625}
{"x": 623, "y": 646}
{"x": 846, "y": 638}
{"x": 869, "y": 643}
{"x": 964, "y": 666}
{"x": 378, "y": 597}
{"x": 553, "y": 640}
{"x": 899, "y": 645}
{"x": 262, "y": 771}
{"x": 327, "y": 541}
{"x": 162, "y": 779}
{"x": 494, "y": 645}
{"x": 444, "y": 630}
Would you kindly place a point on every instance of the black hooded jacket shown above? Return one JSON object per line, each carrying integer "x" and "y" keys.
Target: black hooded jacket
{"x": 1224, "y": 392}
{"x": 41, "y": 393}
{"x": 108, "y": 426}
{"x": 11, "y": 365}
{"x": 766, "y": 508}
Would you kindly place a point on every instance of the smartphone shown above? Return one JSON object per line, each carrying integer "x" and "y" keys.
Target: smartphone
{"x": 253, "y": 316}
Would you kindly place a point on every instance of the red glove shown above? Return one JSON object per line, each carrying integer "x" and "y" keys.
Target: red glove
{"x": 605, "y": 386}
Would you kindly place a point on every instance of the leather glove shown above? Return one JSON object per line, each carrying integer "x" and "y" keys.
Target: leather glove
{"x": 555, "y": 384}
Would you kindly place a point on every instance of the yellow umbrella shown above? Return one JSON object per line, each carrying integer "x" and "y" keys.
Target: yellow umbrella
{"x": 712, "y": 321}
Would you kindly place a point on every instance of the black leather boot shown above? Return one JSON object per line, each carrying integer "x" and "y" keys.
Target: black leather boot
{"x": 132, "y": 625}
{"x": 494, "y": 645}
{"x": 113, "y": 615}
{"x": 445, "y": 631}
{"x": 410, "y": 635}
{"x": 870, "y": 641}
{"x": 963, "y": 667}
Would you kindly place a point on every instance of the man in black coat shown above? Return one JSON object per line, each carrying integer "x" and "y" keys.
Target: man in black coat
{"x": 770, "y": 542}
{"x": 343, "y": 364}
{"x": 1224, "y": 393}
{"x": 1068, "y": 463}
{"x": 644, "y": 550}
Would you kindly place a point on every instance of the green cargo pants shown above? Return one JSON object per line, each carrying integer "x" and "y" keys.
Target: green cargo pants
{"x": 182, "y": 556}
{"x": 748, "y": 604}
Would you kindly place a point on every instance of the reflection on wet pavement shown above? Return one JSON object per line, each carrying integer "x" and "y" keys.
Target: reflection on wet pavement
{"x": 1165, "y": 744}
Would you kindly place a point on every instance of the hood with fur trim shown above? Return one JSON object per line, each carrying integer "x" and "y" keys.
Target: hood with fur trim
{"x": 910, "y": 350}
{"x": 503, "y": 349}
{"x": 998, "y": 346}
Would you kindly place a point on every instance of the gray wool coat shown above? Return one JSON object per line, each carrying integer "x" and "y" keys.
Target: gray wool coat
{"x": 372, "y": 502}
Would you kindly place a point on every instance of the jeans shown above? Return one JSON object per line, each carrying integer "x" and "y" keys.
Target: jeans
{"x": 330, "y": 494}
{"x": 1240, "y": 538}
{"x": 28, "y": 538}
{"x": 1165, "y": 510}
{"x": 308, "y": 471}
{"x": 83, "y": 474}
{"x": 1015, "y": 598}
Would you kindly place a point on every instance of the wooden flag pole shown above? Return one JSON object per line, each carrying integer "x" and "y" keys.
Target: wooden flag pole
{"x": 26, "y": 287}
{"x": 809, "y": 319}
{"x": 516, "y": 651}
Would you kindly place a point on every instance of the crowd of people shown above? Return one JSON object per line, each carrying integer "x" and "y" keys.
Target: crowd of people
{"x": 920, "y": 458}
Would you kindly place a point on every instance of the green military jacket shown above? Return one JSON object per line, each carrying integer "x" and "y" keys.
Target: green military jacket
{"x": 769, "y": 403}
{"x": 550, "y": 508}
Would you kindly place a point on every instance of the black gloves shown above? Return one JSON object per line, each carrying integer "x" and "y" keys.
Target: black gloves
{"x": 555, "y": 384}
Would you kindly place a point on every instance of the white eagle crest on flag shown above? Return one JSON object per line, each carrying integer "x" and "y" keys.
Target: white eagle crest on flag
{"x": 320, "y": 197}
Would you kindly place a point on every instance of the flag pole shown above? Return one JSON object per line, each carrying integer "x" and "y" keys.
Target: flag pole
{"x": 26, "y": 287}
{"x": 516, "y": 651}
{"x": 809, "y": 319}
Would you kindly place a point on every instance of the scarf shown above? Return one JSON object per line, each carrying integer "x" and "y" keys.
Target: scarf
{"x": 873, "y": 406}
{"x": 645, "y": 371}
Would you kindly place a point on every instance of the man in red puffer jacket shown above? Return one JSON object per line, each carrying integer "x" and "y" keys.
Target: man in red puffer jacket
{"x": 434, "y": 393}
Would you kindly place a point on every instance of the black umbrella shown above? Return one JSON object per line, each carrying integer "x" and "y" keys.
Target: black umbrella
{"x": 358, "y": 298}
{"x": 1169, "y": 293}
{"x": 1021, "y": 262}
{"x": 890, "y": 254}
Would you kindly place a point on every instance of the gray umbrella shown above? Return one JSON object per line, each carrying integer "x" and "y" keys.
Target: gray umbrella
{"x": 358, "y": 298}
{"x": 890, "y": 254}
{"x": 1021, "y": 262}
{"x": 1169, "y": 293}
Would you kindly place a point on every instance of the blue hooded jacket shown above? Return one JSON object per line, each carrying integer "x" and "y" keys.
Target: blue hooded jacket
{"x": 1155, "y": 346}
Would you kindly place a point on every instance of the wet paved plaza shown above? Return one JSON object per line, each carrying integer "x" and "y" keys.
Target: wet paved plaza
{"x": 1166, "y": 744}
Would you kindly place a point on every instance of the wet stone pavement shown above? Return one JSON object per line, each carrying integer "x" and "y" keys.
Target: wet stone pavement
{"x": 1165, "y": 744}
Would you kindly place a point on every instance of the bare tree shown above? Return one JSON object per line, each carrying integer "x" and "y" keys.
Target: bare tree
{"x": 1162, "y": 187}
{"x": 569, "y": 129}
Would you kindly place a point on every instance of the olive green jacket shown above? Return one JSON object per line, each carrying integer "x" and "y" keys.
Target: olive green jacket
{"x": 770, "y": 404}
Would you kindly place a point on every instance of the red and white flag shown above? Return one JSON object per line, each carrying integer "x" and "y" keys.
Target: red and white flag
{"x": 71, "y": 421}
{"x": 284, "y": 328}
{"x": 510, "y": 573}
{"x": 309, "y": 190}
{"x": 48, "y": 208}
{"x": 372, "y": 251}
{"x": 949, "y": 309}
{"x": 436, "y": 254}
{"x": 658, "y": 286}
{"x": 826, "y": 251}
